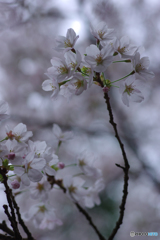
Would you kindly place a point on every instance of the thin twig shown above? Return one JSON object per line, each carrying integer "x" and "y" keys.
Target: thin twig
{"x": 126, "y": 169}
{"x": 53, "y": 181}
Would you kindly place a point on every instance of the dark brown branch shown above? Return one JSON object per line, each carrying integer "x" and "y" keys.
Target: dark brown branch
{"x": 53, "y": 181}
{"x": 11, "y": 217}
{"x": 21, "y": 222}
{"x": 13, "y": 205}
{"x": 126, "y": 169}
{"x": 6, "y": 229}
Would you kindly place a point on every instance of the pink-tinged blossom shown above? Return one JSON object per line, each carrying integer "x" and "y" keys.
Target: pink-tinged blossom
{"x": 102, "y": 32}
{"x": 61, "y": 136}
{"x": 51, "y": 85}
{"x": 129, "y": 90}
{"x": 86, "y": 163}
{"x": 3, "y": 110}
{"x": 60, "y": 70}
{"x": 91, "y": 197}
{"x": 123, "y": 47}
{"x": 73, "y": 59}
{"x": 68, "y": 42}
{"x": 141, "y": 67}
{"x": 43, "y": 216}
{"x": 77, "y": 84}
{"x": 31, "y": 169}
{"x": 99, "y": 59}
{"x": 19, "y": 133}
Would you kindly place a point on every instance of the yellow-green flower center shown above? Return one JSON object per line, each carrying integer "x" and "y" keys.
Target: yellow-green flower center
{"x": 99, "y": 59}
{"x": 67, "y": 43}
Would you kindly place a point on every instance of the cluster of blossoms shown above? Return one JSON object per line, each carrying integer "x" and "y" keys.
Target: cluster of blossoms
{"x": 72, "y": 73}
{"x": 34, "y": 166}
{"x": 31, "y": 165}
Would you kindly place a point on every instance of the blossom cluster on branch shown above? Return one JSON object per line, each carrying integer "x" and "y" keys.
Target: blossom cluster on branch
{"x": 33, "y": 166}
{"x": 72, "y": 73}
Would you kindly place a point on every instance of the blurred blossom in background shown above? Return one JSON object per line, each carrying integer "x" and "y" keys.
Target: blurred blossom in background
{"x": 27, "y": 39}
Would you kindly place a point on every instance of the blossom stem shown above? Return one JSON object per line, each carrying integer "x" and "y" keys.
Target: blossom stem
{"x": 71, "y": 165}
{"x": 127, "y": 61}
{"x": 125, "y": 169}
{"x": 4, "y": 139}
{"x": 124, "y": 77}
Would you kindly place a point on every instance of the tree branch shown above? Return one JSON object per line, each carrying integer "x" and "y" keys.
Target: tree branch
{"x": 125, "y": 169}
{"x": 53, "y": 181}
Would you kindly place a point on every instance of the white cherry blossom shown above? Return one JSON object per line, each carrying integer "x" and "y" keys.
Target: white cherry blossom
{"x": 61, "y": 136}
{"x": 141, "y": 67}
{"x": 73, "y": 59}
{"x": 60, "y": 70}
{"x": 86, "y": 163}
{"x": 123, "y": 47}
{"x": 77, "y": 84}
{"x": 130, "y": 92}
{"x": 31, "y": 170}
{"x": 51, "y": 84}
{"x": 19, "y": 133}
{"x": 68, "y": 42}
{"x": 43, "y": 216}
{"x": 91, "y": 197}
{"x": 101, "y": 32}
{"x": 99, "y": 59}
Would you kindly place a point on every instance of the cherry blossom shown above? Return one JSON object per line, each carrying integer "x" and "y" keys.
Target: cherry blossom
{"x": 99, "y": 59}
{"x": 101, "y": 32}
{"x": 68, "y": 42}
{"x": 51, "y": 84}
{"x": 19, "y": 133}
{"x": 85, "y": 161}
{"x": 77, "y": 84}
{"x": 129, "y": 91}
{"x": 141, "y": 67}
{"x": 43, "y": 216}
{"x": 60, "y": 135}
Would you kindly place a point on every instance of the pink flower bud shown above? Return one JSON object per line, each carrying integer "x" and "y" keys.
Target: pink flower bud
{"x": 105, "y": 89}
{"x": 15, "y": 184}
{"x": 11, "y": 156}
{"x": 61, "y": 165}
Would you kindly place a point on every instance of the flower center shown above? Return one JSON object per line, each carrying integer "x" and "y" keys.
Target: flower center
{"x": 72, "y": 189}
{"x": 101, "y": 34}
{"x": 40, "y": 187}
{"x": 62, "y": 70}
{"x": 99, "y": 59}
{"x": 82, "y": 163}
{"x": 67, "y": 43}
{"x": 79, "y": 84}
{"x": 121, "y": 50}
{"x": 129, "y": 89}
{"x": 139, "y": 67}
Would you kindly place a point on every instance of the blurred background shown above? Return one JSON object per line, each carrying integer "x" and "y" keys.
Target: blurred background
{"x": 27, "y": 37}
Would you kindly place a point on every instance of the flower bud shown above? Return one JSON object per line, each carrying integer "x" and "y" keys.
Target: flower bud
{"x": 61, "y": 165}
{"x": 15, "y": 184}
{"x": 105, "y": 89}
{"x": 11, "y": 156}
